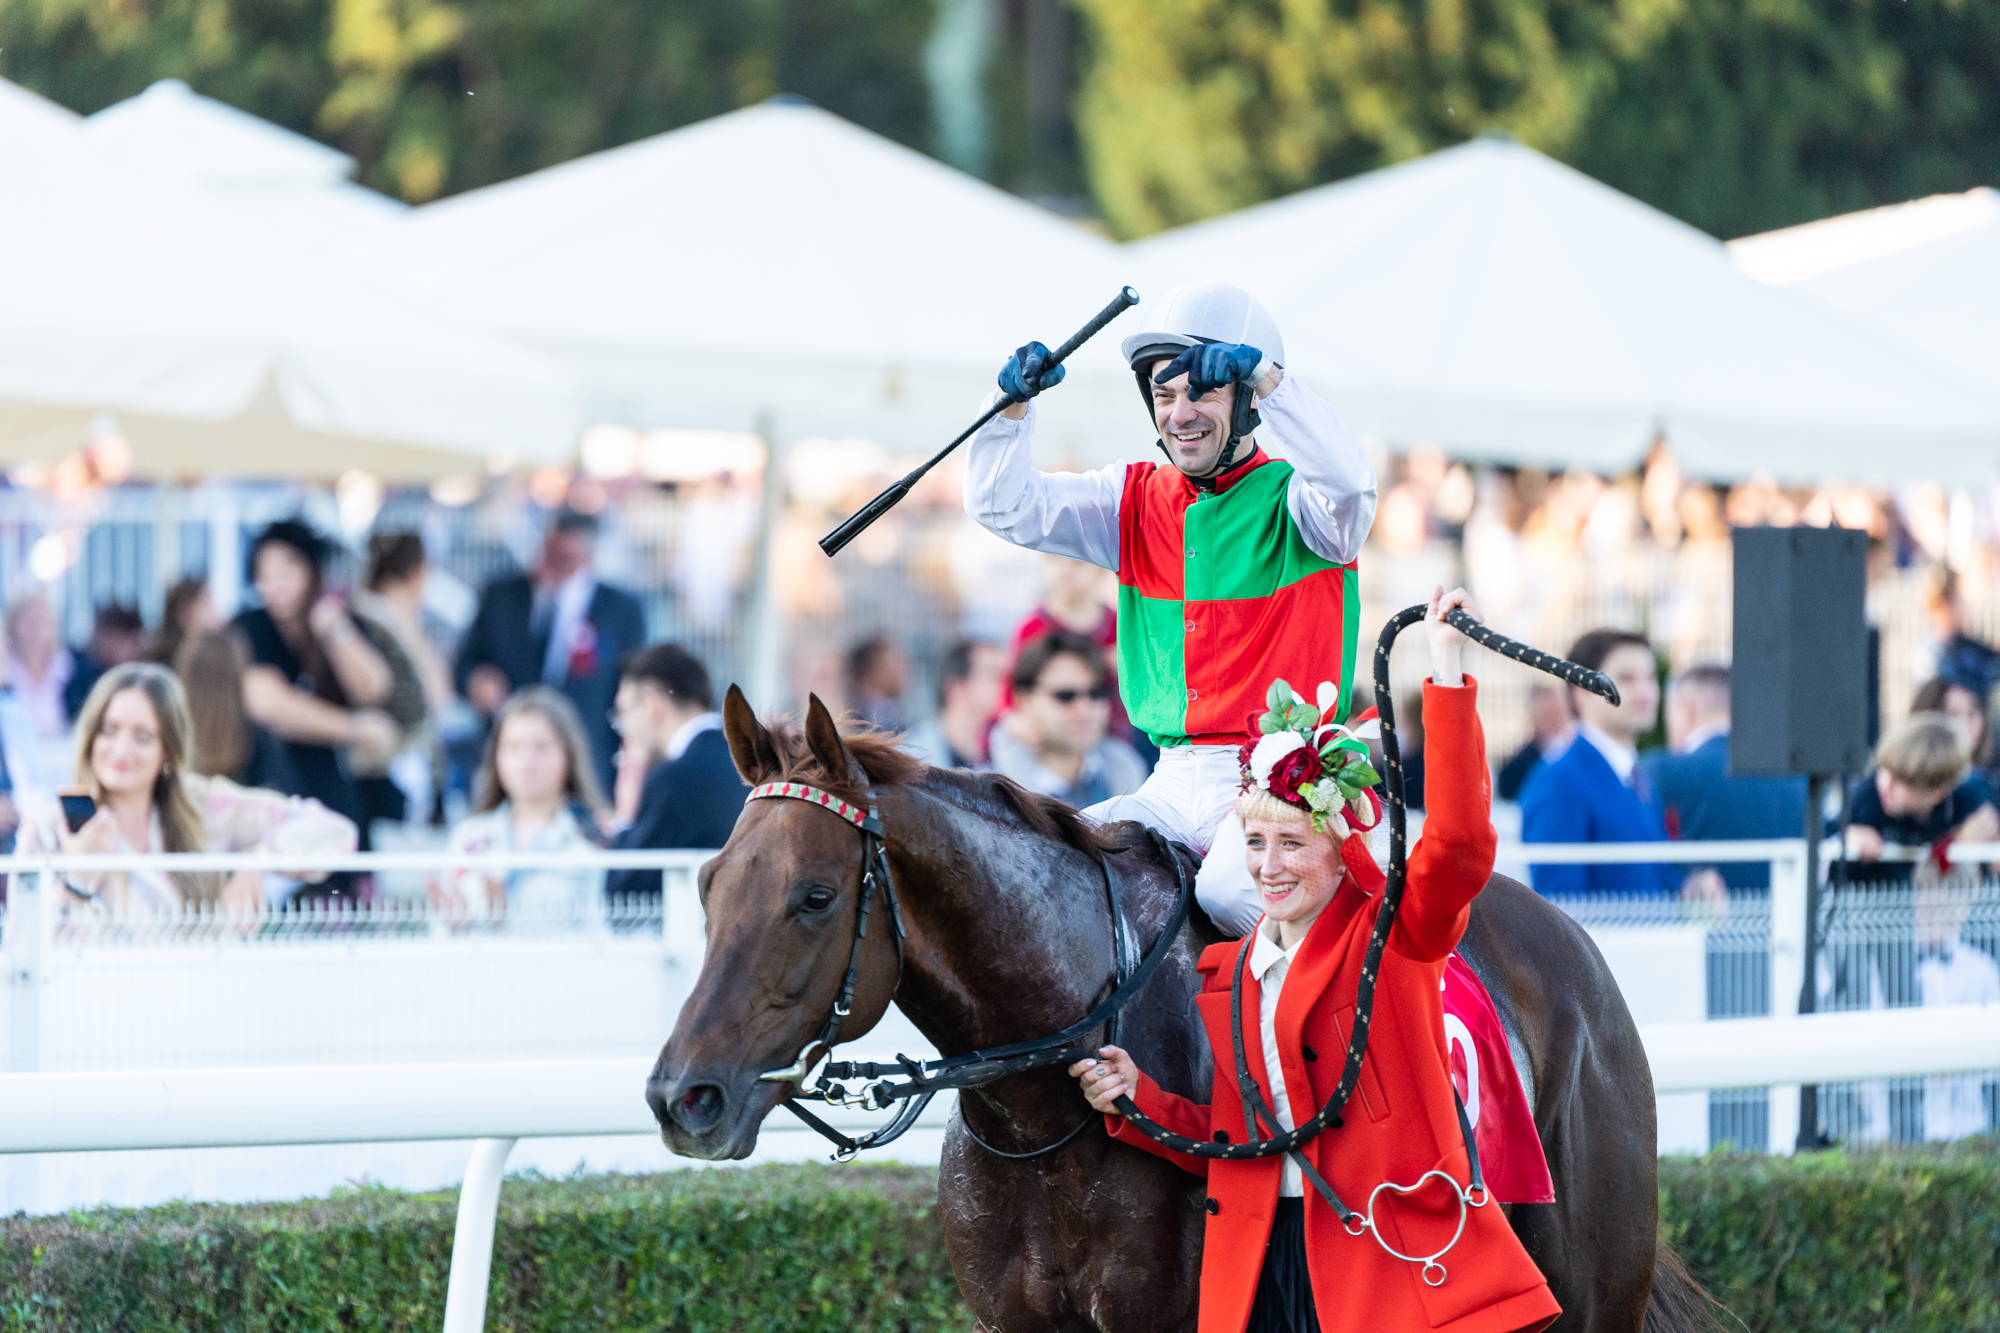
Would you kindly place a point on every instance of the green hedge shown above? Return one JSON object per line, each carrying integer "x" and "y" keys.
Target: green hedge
{"x": 773, "y": 1248}
{"x": 1903, "y": 1240}
{"x": 1888, "y": 1241}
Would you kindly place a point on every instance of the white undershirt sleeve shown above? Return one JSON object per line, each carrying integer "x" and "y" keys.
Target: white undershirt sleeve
{"x": 1332, "y": 495}
{"x": 1063, "y": 513}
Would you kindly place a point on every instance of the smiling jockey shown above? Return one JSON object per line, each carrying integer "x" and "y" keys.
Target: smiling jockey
{"x": 1235, "y": 568}
{"x": 1235, "y": 561}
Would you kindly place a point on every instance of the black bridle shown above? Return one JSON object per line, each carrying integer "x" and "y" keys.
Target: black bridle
{"x": 914, "y": 1083}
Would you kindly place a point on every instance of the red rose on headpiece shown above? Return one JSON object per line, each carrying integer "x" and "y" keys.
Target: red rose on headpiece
{"x": 1300, "y": 766}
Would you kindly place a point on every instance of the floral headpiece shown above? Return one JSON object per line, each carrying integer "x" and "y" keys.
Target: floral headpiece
{"x": 1320, "y": 767}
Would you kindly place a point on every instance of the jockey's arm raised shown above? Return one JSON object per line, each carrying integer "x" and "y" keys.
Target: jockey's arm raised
{"x": 1331, "y": 496}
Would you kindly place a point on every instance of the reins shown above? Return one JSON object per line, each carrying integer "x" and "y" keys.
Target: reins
{"x": 923, "y": 1080}
{"x": 914, "y": 1083}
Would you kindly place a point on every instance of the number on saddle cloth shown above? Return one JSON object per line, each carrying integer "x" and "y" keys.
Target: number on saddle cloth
{"x": 1488, "y": 1083}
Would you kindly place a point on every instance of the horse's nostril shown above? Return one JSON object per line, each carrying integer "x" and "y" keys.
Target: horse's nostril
{"x": 699, "y": 1107}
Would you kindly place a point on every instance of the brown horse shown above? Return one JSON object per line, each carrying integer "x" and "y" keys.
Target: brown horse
{"x": 1010, "y": 938}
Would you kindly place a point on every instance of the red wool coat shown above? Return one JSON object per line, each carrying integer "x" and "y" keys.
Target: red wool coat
{"x": 1401, "y": 1121}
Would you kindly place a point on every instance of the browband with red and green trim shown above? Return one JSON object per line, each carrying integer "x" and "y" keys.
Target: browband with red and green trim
{"x": 799, "y": 791}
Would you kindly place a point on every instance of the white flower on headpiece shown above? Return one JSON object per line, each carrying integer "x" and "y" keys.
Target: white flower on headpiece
{"x": 1270, "y": 749}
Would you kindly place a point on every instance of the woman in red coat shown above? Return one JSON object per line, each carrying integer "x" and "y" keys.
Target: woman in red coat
{"x": 1276, "y": 1255}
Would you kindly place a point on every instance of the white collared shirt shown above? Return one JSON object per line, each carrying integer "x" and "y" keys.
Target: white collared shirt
{"x": 1270, "y": 964}
{"x": 1701, "y": 736}
{"x": 1622, "y": 757}
{"x": 693, "y": 727}
{"x": 571, "y": 614}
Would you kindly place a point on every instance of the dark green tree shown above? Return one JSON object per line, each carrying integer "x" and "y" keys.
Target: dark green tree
{"x": 1749, "y": 116}
{"x": 435, "y": 96}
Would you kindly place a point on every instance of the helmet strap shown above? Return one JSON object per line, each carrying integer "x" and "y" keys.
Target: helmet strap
{"x": 1243, "y": 422}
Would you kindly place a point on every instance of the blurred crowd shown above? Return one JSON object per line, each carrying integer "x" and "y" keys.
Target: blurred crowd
{"x": 317, "y": 721}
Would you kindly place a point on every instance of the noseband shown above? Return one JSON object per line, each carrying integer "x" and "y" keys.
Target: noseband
{"x": 924, "y": 1079}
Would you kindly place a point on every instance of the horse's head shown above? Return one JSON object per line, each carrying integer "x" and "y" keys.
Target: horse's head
{"x": 780, "y": 901}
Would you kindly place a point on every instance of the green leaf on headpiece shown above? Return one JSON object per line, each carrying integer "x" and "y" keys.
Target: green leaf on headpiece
{"x": 1274, "y": 698}
{"x": 1308, "y": 717}
{"x": 1270, "y": 724}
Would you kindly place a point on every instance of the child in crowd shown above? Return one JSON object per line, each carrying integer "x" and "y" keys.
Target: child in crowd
{"x": 1922, "y": 790}
{"x": 536, "y": 792}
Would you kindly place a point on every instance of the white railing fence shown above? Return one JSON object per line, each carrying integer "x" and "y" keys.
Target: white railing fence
{"x": 199, "y": 1031}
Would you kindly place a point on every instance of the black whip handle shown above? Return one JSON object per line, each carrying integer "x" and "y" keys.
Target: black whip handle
{"x": 858, "y": 522}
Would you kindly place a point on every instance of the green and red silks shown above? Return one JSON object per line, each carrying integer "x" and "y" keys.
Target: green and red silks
{"x": 1219, "y": 595}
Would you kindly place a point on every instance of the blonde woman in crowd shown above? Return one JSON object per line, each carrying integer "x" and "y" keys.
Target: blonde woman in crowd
{"x": 536, "y": 792}
{"x": 133, "y": 759}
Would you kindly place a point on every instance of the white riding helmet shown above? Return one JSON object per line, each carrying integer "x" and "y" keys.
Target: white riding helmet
{"x": 1207, "y": 312}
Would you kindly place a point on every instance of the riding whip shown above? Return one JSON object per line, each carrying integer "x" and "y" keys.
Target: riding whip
{"x": 890, "y": 498}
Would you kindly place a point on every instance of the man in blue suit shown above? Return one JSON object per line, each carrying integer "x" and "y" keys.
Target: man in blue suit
{"x": 1698, "y": 797}
{"x": 677, "y": 784}
{"x": 556, "y": 626}
{"x": 1596, "y": 791}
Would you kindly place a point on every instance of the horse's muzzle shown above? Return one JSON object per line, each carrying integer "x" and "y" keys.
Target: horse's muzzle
{"x": 700, "y": 1117}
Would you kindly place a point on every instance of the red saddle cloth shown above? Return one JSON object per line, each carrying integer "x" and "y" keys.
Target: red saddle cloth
{"x": 1482, "y": 1069}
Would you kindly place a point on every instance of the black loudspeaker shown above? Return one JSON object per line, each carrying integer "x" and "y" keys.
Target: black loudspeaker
{"x": 1798, "y": 685}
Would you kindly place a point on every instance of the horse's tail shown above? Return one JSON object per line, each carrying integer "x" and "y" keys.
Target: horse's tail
{"x": 1679, "y": 1304}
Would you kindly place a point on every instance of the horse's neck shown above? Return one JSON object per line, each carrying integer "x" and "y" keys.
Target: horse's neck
{"x": 1010, "y": 932}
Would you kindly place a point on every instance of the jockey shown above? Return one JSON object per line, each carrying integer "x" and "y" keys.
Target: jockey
{"x": 1240, "y": 536}
{"x": 1283, "y": 1253}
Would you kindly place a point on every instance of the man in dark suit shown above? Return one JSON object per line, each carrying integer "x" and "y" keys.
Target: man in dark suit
{"x": 556, "y": 626}
{"x": 1698, "y": 797}
{"x": 677, "y": 785}
{"x": 1596, "y": 791}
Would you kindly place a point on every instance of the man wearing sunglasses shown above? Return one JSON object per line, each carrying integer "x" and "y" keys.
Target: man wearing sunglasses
{"x": 1235, "y": 555}
{"x": 1054, "y": 741}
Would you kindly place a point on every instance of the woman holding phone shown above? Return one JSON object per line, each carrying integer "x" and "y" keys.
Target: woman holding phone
{"x": 135, "y": 792}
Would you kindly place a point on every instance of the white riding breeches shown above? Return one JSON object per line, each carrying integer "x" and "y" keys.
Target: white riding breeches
{"x": 1189, "y": 799}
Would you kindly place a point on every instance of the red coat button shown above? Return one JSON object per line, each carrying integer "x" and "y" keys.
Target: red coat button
{"x": 1214, "y": 1207}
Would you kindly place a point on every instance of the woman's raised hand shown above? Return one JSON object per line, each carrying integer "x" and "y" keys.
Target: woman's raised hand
{"x": 1446, "y": 642}
{"x": 1106, "y": 1077}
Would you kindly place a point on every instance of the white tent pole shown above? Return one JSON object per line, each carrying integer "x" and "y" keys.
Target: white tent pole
{"x": 764, "y": 654}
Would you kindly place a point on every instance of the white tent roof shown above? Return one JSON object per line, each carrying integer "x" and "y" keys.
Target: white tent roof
{"x": 1926, "y": 273}
{"x": 218, "y": 349}
{"x": 781, "y": 267}
{"x": 1505, "y": 306}
{"x": 278, "y": 182}
{"x": 1793, "y": 254}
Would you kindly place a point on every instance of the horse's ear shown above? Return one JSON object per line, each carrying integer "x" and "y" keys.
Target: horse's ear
{"x": 749, "y": 743}
{"x": 823, "y": 739}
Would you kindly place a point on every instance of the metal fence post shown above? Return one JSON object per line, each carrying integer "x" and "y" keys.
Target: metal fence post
{"x": 472, "y": 1240}
{"x": 1788, "y": 961}
{"x": 28, "y": 931}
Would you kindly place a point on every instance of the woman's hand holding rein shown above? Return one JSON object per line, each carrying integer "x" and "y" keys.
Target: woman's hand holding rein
{"x": 1107, "y": 1077}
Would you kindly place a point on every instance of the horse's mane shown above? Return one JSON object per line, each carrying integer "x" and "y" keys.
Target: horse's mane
{"x": 886, "y": 764}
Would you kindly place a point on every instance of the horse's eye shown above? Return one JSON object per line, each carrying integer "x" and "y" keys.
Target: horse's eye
{"x": 818, "y": 900}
